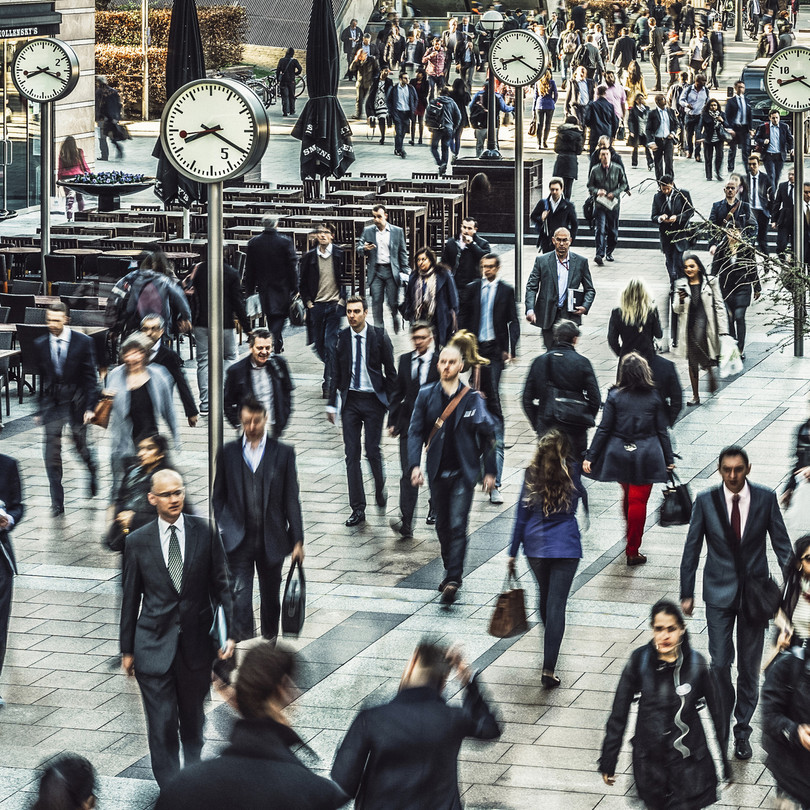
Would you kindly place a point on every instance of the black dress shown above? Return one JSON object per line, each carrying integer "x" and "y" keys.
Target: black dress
{"x": 697, "y": 340}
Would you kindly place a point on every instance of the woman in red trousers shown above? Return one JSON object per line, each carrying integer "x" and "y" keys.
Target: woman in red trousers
{"x": 632, "y": 446}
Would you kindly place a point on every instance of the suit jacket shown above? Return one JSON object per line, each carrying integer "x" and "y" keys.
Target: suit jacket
{"x": 624, "y": 51}
{"x": 445, "y": 311}
{"x": 310, "y": 273}
{"x": 78, "y": 384}
{"x": 785, "y": 139}
{"x": 473, "y": 431}
{"x": 11, "y": 493}
{"x": 157, "y": 622}
{"x": 238, "y": 386}
{"x": 654, "y": 121}
{"x": 782, "y": 213}
{"x": 572, "y": 95}
{"x": 283, "y": 525}
{"x": 657, "y": 41}
{"x": 233, "y": 299}
{"x": 564, "y": 217}
{"x": 270, "y": 267}
{"x": 346, "y": 39}
{"x": 379, "y": 364}
{"x": 542, "y": 293}
{"x": 721, "y": 584}
{"x": 404, "y": 755}
{"x": 680, "y": 207}
{"x": 764, "y": 190}
{"x": 465, "y": 264}
{"x": 732, "y": 110}
{"x": 391, "y": 99}
{"x": 716, "y": 44}
{"x": 170, "y": 360}
{"x": 406, "y": 389}
{"x": 721, "y": 215}
{"x": 668, "y": 385}
{"x": 705, "y": 48}
{"x": 398, "y": 251}
{"x": 505, "y": 321}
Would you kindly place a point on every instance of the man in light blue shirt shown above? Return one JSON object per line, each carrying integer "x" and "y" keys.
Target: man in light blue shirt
{"x": 401, "y": 100}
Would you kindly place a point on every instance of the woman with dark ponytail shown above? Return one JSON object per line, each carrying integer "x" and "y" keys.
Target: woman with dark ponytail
{"x": 67, "y": 783}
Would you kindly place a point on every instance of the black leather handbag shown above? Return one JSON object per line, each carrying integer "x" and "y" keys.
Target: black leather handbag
{"x": 294, "y": 603}
{"x": 298, "y": 312}
{"x": 676, "y": 508}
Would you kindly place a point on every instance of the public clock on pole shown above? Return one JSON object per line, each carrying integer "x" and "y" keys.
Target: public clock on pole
{"x": 45, "y": 69}
{"x": 214, "y": 129}
{"x": 787, "y": 78}
{"x": 518, "y": 57}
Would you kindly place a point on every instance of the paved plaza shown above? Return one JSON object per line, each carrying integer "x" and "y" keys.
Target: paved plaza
{"x": 371, "y": 596}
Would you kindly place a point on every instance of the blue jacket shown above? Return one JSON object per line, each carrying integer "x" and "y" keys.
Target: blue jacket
{"x": 554, "y": 536}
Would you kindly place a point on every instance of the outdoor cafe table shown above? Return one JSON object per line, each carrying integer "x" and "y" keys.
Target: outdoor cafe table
{"x": 117, "y": 228}
{"x": 15, "y": 257}
{"x": 265, "y": 194}
{"x": 47, "y": 300}
{"x": 450, "y": 207}
{"x": 80, "y": 253}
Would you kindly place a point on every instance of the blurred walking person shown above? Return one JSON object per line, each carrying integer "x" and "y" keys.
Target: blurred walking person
{"x": 68, "y": 782}
{"x": 11, "y": 513}
{"x": 71, "y": 165}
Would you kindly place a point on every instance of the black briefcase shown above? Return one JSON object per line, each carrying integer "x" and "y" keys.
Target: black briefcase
{"x": 676, "y": 508}
{"x": 294, "y": 603}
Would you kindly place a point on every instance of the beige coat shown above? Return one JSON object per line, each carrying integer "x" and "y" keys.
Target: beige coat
{"x": 712, "y": 301}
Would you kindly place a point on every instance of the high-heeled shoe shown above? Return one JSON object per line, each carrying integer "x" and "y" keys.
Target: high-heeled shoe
{"x": 550, "y": 681}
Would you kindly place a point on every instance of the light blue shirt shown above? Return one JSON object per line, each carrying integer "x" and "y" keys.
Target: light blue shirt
{"x": 584, "y": 95}
{"x": 403, "y": 97}
{"x": 562, "y": 281}
{"x": 253, "y": 455}
{"x": 773, "y": 139}
{"x": 486, "y": 330}
{"x": 365, "y": 380}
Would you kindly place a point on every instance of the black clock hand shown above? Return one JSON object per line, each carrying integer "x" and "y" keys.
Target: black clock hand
{"x": 36, "y": 72}
{"x": 201, "y": 134}
{"x": 230, "y": 143}
{"x": 783, "y": 82}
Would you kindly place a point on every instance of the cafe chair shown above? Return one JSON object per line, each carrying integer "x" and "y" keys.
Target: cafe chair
{"x": 17, "y": 305}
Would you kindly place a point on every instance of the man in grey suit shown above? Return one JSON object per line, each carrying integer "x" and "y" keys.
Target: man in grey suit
{"x": 547, "y": 291}
{"x": 734, "y": 519}
{"x": 174, "y": 569}
{"x": 386, "y": 258}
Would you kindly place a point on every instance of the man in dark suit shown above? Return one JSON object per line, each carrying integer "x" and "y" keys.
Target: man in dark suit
{"x": 154, "y": 327}
{"x": 732, "y": 210}
{"x": 463, "y": 254}
{"x": 365, "y": 376}
{"x": 717, "y": 45}
{"x": 270, "y": 268}
{"x": 782, "y": 213}
{"x": 11, "y": 513}
{"x": 351, "y": 38}
{"x": 657, "y": 39}
{"x": 386, "y": 254}
{"x": 547, "y": 290}
{"x": 264, "y": 376}
{"x": 668, "y": 385}
{"x": 776, "y": 144}
{"x": 601, "y": 118}
{"x": 624, "y": 52}
{"x": 68, "y": 393}
{"x": 562, "y": 367}
{"x": 401, "y": 101}
{"x": 416, "y": 368}
{"x": 740, "y": 118}
{"x": 409, "y": 747}
{"x": 174, "y": 569}
{"x": 671, "y": 211}
{"x": 452, "y": 420}
{"x": 551, "y": 213}
{"x": 759, "y": 196}
{"x": 662, "y": 135}
{"x": 258, "y": 511}
{"x": 733, "y": 519}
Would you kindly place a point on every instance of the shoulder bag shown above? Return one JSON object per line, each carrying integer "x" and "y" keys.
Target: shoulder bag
{"x": 676, "y": 508}
{"x": 567, "y": 407}
{"x": 509, "y": 616}
{"x": 446, "y": 414}
{"x": 298, "y": 312}
{"x": 294, "y": 603}
{"x": 101, "y": 413}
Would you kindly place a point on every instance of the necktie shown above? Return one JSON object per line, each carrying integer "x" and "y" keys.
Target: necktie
{"x": 358, "y": 359}
{"x": 736, "y": 522}
{"x": 807, "y": 213}
{"x": 175, "y": 564}
{"x": 483, "y": 331}
{"x": 741, "y": 115}
{"x": 754, "y": 196}
{"x": 59, "y": 357}
{"x": 418, "y": 375}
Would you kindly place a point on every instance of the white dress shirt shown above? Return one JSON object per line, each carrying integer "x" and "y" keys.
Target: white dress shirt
{"x": 562, "y": 279}
{"x": 426, "y": 359}
{"x": 384, "y": 245}
{"x": 740, "y": 122}
{"x": 325, "y": 251}
{"x": 744, "y": 504}
{"x": 663, "y": 128}
{"x": 262, "y": 388}
{"x": 253, "y": 455}
{"x": 166, "y": 536}
{"x": 61, "y": 340}
{"x": 365, "y": 380}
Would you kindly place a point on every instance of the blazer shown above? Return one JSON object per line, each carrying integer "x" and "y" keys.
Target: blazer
{"x": 391, "y": 99}
{"x": 657, "y": 41}
{"x": 505, "y": 322}
{"x": 782, "y": 212}
{"x": 398, "y": 250}
{"x": 379, "y": 364}
{"x": 716, "y": 44}
{"x": 720, "y": 581}
{"x": 572, "y": 95}
{"x": 624, "y": 338}
{"x": 680, "y": 206}
{"x": 785, "y": 139}
{"x": 170, "y": 360}
{"x": 406, "y": 389}
{"x": 668, "y": 385}
{"x": 233, "y": 298}
{"x": 542, "y": 293}
{"x": 732, "y": 110}
{"x": 157, "y": 623}
{"x": 654, "y": 122}
{"x": 239, "y": 386}
{"x": 624, "y": 51}
{"x": 708, "y": 127}
{"x": 404, "y": 755}
{"x": 283, "y": 525}
{"x": 11, "y": 493}
{"x": 78, "y": 384}
{"x": 465, "y": 264}
{"x": 270, "y": 267}
{"x": 722, "y": 216}
{"x": 564, "y": 217}
{"x": 473, "y": 431}
{"x": 764, "y": 189}
{"x": 445, "y": 312}
{"x": 310, "y": 273}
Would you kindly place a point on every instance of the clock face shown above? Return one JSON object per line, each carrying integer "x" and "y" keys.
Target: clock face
{"x": 214, "y": 129}
{"x": 787, "y": 78}
{"x": 45, "y": 70}
{"x": 518, "y": 57}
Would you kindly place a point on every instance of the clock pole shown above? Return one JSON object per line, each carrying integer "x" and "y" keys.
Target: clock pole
{"x": 46, "y": 177}
{"x": 799, "y": 295}
{"x": 519, "y": 101}
{"x": 215, "y": 336}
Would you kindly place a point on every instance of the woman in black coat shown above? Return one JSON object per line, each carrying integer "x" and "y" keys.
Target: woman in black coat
{"x": 713, "y": 130}
{"x": 634, "y": 324}
{"x": 461, "y": 96}
{"x": 637, "y": 125}
{"x": 632, "y": 446}
{"x": 376, "y": 104}
{"x": 431, "y": 296}
{"x": 672, "y": 765}
{"x": 568, "y": 147}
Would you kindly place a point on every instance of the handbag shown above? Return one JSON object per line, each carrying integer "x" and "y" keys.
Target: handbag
{"x": 509, "y": 616}
{"x": 298, "y": 312}
{"x": 726, "y": 135}
{"x": 620, "y": 133}
{"x": 676, "y": 508}
{"x": 565, "y": 408}
{"x": 101, "y": 413}
{"x": 533, "y": 127}
{"x": 294, "y": 603}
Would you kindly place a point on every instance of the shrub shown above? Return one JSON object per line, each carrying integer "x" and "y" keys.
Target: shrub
{"x": 123, "y": 67}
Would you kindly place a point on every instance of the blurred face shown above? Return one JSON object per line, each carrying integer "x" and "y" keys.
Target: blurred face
{"x": 730, "y": 190}
{"x": 134, "y": 359}
{"x": 733, "y": 471}
{"x": 423, "y": 263}
{"x": 148, "y": 453}
{"x": 261, "y": 350}
{"x": 422, "y": 340}
{"x": 691, "y": 269}
{"x": 555, "y": 190}
{"x": 254, "y": 424}
{"x": 604, "y": 157}
{"x": 667, "y": 634}
{"x": 804, "y": 563}
{"x": 666, "y": 188}
{"x": 610, "y": 79}
{"x": 774, "y": 116}
{"x": 167, "y": 495}
{"x": 403, "y": 79}
{"x": 562, "y": 241}
{"x": 152, "y": 330}
{"x": 323, "y": 238}
{"x": 356, "y": 316}
{"x": 468, "y": 228}
{"x": 753, "y": 165}
{"x": 806, "y": 193}
{"x": 739, "y": 88}
{"x": 791, "y": 176}
{"x": 380, "y": 218}
{"x": 489, "y": 269}
{"x": 581, "y": 74}
{"x": 450, "y": 364}
{"x": 55, "y": 321}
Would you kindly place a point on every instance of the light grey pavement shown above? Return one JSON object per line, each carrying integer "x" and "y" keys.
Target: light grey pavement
{"x": 372, "y": 597}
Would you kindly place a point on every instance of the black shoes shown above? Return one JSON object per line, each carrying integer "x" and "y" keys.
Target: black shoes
{"x": 356, "y": 518}
{"x": 599, "y": 261}
{"x": 449, "y": 592}
{"x": 431, "y": 517}
{"x": 404, "y": 530}
{"x": 549, "y": 681}
{"x": 93, "y": 485}
{"x": 381, "y": 499}
{"x": 57, "y": 511}
{"x": 742, "y": 749}
{"x": 609, "y": 257}
{"x": 402, "y": 154}
{"x": 636, "y": 559}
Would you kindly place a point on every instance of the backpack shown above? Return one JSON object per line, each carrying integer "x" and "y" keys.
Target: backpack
{"x": 191, "y": 292}
{"x": 435, "y": 113}
{"x": 479, "y": 115}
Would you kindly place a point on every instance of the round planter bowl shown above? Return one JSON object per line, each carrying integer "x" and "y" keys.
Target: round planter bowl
{"x": 109, "y": 194}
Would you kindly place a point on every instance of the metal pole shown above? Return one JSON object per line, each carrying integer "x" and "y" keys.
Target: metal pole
{"x": 799, "y": 295}
{"x": 519, "y": 101}
{"x": 215, "y": 336}
{"x": 46, "y": 176}
{"x": 145, "y": 49}
{"x": 738, "y": 17}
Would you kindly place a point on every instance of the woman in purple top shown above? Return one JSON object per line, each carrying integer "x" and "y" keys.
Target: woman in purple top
{"x": 545, "y": 100}
{"x": 546, "y": 526}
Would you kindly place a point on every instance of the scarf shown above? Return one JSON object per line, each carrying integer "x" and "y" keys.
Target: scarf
{"x": 425, "y": 297}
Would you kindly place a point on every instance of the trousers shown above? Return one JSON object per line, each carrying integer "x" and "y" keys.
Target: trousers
{"x": 229, "y": 358}
{"x": 408, "y": 494}
{"x": 324, "y": 322}
{"x": 242, "y": 561}
{"x": 607, "y": 230}
{"x": 362, "y": 412}
{"x": 452, "y": 499}
{"x": 55, "y": 420}
{"x": 6, "y": 588}
{"x": 742, "y": 138}
{"x": 635, "y": 513}
{"x": 554, "y": 578}
{"x": 384, "y": 286}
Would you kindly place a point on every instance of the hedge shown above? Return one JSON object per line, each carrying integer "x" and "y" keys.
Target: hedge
{"x": 222, "y": 29}
{"x": 123, "y": 67}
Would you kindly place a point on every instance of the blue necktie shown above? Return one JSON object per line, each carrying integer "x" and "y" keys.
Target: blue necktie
{"x": 358, "y": 359}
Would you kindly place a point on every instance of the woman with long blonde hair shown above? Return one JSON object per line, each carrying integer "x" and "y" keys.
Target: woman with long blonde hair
{"x": 546, "y": 526}
{"x": 635, "y": 323}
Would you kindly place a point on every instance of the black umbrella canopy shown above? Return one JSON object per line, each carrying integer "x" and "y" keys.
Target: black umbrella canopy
{"x": 184, "y": 63}
{"x": 324, "y": 132}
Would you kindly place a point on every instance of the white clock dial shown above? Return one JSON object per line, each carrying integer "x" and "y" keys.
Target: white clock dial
{"x": 787, "y": 79}
{"x": 45, "y": 70}
{"x": 214, "y": 129}
{"x": 518, "y": 57}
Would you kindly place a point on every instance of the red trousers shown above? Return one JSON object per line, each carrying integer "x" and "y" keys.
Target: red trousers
{"x": 635, "y": 513}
